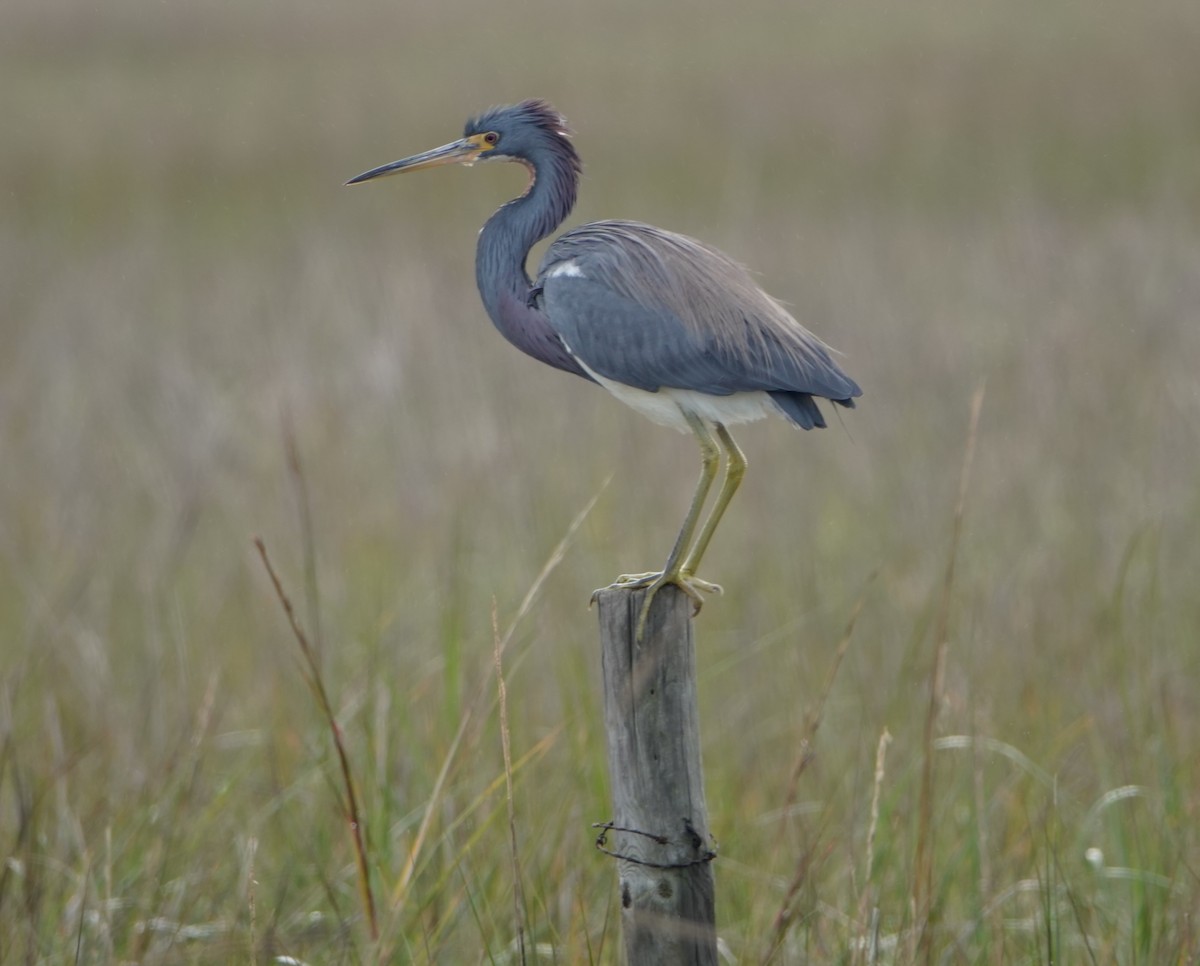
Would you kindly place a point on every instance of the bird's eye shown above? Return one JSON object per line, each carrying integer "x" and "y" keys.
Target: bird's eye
{"x": 491, "y": 138}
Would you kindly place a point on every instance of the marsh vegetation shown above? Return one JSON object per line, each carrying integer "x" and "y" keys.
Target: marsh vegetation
{"x": 205, "y": 338}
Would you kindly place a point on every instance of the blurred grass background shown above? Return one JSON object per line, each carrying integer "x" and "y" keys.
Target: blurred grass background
{"x": 952, "y": 194}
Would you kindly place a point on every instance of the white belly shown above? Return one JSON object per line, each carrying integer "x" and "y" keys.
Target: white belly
{"x": 666, "y": 407}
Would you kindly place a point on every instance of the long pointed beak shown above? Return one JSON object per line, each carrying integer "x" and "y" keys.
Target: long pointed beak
{"x": 462, "y": 151}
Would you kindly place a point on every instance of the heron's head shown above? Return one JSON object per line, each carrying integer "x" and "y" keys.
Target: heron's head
{"x": 530, "y": 132}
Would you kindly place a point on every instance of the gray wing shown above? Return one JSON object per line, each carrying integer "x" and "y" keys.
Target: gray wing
{"x": 650, "y": 308}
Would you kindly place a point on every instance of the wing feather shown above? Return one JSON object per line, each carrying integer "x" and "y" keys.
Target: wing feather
{"x": 651, "y": 308}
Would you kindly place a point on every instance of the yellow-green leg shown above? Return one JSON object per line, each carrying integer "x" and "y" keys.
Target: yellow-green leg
{"x": 734, "y": 471}
{"x": 674, "y": 572}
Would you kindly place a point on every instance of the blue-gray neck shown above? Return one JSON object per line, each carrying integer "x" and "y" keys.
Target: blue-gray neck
{"x": 501, "y": 253}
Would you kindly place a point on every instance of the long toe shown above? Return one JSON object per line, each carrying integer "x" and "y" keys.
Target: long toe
{"x": 694, "y": 587}
{"x": 626, "y": 582}
{"x": 636, "y": 581}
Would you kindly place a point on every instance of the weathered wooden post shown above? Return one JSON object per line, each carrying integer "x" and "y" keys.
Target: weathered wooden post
{"x": 659, "y": 830}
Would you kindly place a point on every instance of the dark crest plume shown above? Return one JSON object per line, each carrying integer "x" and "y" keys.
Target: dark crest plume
{"x": 533, "y": 115}
{"x": 533, "y": 111}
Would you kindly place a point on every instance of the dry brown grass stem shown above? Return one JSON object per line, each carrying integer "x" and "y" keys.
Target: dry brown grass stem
{"x": 812, "y": 724}
{"x": 868, "y": 944}
{"x": 252, "y": 898}
{"x": 400, "y": 892}
{"x": 555, "y": 558}
{"x": 923, "y": 866}
{"x": 502, "y": 697}
{"x": 312, "y": 675}
{"x": 885, "y": 739}
{"x": 812, "y": 719}
{"x": 787, "y": 908}
{"x": 312, "y": 589}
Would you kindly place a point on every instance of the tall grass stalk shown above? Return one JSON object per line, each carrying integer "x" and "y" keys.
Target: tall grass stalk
{"x": 923, "y": 896}
{"x": 518, "y": 886}
{"x": 812, "y": 724}
{"x": 311, "y": 670}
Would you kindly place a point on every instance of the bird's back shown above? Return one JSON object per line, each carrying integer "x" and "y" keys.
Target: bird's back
{"x": 651, "y": 309}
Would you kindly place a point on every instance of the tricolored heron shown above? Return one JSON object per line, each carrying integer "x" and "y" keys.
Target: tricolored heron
{"x": 675, "y": 329}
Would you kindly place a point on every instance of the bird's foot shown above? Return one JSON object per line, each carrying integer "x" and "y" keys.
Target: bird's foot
{"x": 636, "y": 581}
{"x": 694, "y": 587}
{"x": 626, "y": 582}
